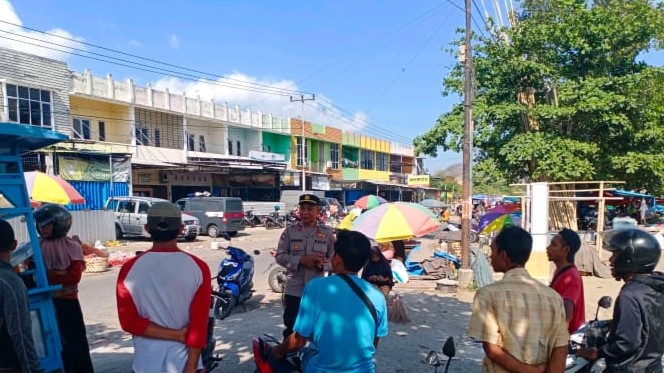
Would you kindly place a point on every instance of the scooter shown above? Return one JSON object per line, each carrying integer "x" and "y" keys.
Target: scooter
{"x": 274, "y": 220}
{"x": 591, "y": 334}
{"x": 234, "y": 280}
{"x": 251, "y": 220}
{"x": 449, "y": 350}
{"x": 262, "y": 346}
{"x": 276, "y": 279}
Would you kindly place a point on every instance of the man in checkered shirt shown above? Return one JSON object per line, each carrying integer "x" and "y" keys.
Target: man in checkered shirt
{"x": 519, "y": 320}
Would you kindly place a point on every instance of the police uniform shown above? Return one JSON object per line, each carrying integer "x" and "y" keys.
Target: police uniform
{"x": 296, "y": 242}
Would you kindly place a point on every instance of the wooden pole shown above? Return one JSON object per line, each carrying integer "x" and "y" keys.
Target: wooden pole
{"x": 600, "y": 219}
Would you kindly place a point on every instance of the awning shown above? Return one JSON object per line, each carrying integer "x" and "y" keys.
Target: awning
{"x": 152, "y": 163}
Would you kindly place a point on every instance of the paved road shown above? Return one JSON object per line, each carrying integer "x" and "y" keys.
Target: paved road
{"x": 434, "y": 317}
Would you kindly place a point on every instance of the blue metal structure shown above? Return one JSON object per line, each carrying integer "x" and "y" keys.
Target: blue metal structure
{"x": 16, "y": 139}
{"x": 96, "y": 193}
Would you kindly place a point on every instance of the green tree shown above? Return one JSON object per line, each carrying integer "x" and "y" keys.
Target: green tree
{"x": 561, "y": 95}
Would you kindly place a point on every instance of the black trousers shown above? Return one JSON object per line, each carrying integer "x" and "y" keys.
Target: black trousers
{"x": 291, "y": 307}
{"x": 75, "y": 349}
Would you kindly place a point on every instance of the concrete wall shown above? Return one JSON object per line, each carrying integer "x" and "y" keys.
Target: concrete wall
{"x": 117, "y": 118}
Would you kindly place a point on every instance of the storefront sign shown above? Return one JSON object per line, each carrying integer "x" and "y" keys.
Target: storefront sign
{"x": 319, "y": 182}
{"x": 289, "y": 178}
{"x": 93, "y": 169}
{"x": 266, "y": 156}
{"x": 418, "y": 180}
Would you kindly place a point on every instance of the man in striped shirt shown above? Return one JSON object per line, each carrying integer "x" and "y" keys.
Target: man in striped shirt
{"x": 519, "y": 320}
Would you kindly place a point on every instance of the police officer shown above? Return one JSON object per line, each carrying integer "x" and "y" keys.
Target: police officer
{"x": 304, "y": 250}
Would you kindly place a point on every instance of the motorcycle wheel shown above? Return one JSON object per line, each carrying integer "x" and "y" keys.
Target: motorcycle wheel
{"x": 224, "y": 305}
{"x": 269, "y": 224}
{"x": 276, "y": 279}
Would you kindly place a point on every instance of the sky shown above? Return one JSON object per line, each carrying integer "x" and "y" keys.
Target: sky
{"x": 375, "y": 66}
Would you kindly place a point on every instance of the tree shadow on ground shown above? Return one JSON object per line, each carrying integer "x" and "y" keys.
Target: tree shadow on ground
{"x": 110, "y": 349}
{"x": 433, "y": 319}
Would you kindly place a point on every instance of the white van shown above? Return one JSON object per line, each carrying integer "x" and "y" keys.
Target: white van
{"x": 131, "y": 215}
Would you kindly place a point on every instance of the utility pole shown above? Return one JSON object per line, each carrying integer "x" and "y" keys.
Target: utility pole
{"x": 467, "y": 147}
{"x": 302, "y": 99}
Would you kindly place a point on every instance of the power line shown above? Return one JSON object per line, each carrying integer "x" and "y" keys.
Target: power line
{"x": 410, "y": 61}
{"x": 426, "y": 13}
{"x": 226, "y": 85}
{"x": 216, "y": 76}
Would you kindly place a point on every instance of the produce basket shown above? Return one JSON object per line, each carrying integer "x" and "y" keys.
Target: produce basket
{"x": 96, "y": 265}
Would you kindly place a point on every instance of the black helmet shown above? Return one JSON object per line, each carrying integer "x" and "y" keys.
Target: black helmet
{"x": 638, "y": 251}
{"x": 56, "y": 214}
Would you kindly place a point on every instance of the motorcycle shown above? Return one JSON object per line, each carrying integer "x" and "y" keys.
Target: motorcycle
{"x": 449, "y": 350}
{"x": 251, "y": 220}
{"x": 234, "y": 280}
{"x": 262, "y": 346}
{"x": 274, "y": 220}
{"x": 276, "y": 279}
{"x": 591, "y": 334}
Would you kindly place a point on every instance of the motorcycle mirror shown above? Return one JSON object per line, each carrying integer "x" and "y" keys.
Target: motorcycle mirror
{"x": 605, "y": 301}
{"x": 432, "y": 359}
{"x": 257, "y": 252}
{"x": 449, "y": 349}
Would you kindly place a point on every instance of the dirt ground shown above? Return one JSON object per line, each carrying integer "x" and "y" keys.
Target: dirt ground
{"x": 434, "y": 317}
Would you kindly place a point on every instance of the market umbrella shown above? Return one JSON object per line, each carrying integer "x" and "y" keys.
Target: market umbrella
{"x": 505, "y": 208}
{"x": 395, "y": 221}
{"x": 50, "y": 189}
{"x": 432, "y": 203}
{"x": 369, "y": 201}
{"x": 497, "y": 223}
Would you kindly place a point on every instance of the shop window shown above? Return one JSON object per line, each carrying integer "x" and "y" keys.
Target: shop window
{"x": 157, "y": 137}
{"x": 142, "y": 136}
{"x": 350, "y": 159}
{"x": 299, "y": 151}
{"x": 191, "y": 142}
{"x": 201, "y": 144}
{"x": 334, "y": 156}
{"x": 239, "y": 150}
{"x": 81, "y": 128}
{"x": 29, "y": 105}
{"x": 230, "y": 147}
{"x": 367, "y": 159}
{"x": 381, "y": 161}
{"x": 102, "y": 131}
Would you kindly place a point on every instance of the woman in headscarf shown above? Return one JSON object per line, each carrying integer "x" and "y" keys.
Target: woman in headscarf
{"x": 377, "y": 271}
{"x": 65, "y": 264}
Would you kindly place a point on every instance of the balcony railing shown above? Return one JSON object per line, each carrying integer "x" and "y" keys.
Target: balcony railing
{"x": 107, "y": 88}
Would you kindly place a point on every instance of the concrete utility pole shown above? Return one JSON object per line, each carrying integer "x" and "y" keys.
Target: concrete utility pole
{"x": 467, "y": 151}
{"x": 302, "y": 99}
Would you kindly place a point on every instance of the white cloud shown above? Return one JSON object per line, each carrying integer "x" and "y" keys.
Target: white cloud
{"x": 226, "y": 90}
{"x": 174, "y": 41}
{"x": 135, "y": 43}
{"x": 28, "y": 41}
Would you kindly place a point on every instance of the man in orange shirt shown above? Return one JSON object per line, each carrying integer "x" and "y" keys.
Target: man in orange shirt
{"x": 567, "y": 279}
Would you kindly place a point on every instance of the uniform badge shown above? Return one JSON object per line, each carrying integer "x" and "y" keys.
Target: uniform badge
{"x": 320, "y": 235}
{"x": 296, "y": 246}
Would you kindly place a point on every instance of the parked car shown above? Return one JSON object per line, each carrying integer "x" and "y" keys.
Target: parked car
{"x": 131, "y": 215}
{"x": 216, "y": 214}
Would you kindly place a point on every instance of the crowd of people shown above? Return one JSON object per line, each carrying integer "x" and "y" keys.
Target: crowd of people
{"x": 336, "y": 321}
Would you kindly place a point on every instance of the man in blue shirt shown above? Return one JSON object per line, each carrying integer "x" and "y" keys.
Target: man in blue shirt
{"x": 340, "y": 327}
